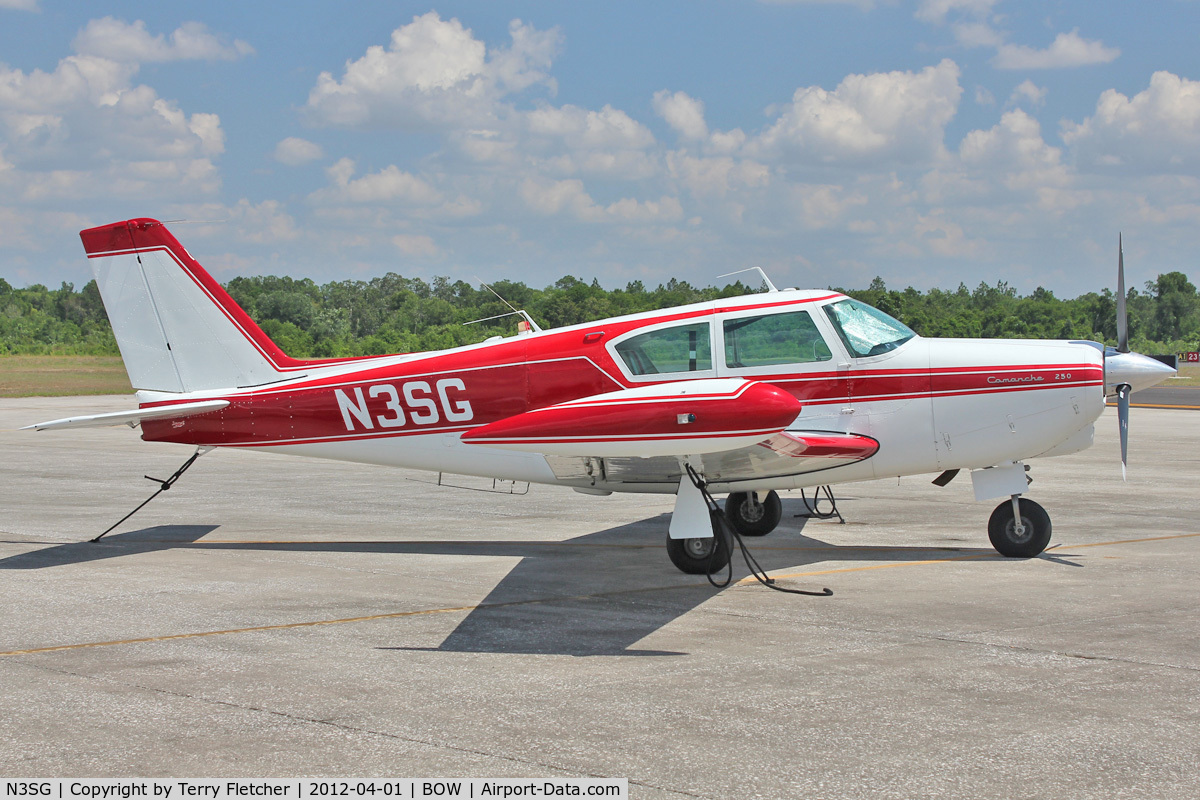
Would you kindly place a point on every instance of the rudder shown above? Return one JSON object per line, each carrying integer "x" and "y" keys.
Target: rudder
{"x": 177, "y": 329}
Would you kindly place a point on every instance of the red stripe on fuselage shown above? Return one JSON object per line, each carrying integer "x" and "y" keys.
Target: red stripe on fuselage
{"x": 394, "y": 401}
{"x": 309, "y": 412}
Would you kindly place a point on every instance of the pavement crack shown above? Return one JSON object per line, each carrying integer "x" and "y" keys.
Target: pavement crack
{"x": 1066, "y": 654}
{"x": 298, "y": 718}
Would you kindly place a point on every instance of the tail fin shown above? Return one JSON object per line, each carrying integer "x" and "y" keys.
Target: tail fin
{"x": 178, "y": 330}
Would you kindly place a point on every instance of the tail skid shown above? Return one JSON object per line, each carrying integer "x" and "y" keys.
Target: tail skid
{"x": 177, "y": 329}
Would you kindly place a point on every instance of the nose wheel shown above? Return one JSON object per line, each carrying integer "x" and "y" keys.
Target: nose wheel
{"x": 1023, "y": 537}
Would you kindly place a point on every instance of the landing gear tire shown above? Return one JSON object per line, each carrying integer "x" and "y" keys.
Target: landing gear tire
{"x": 753, "y": 519}
{"x": 697, "y": 556}
{"x": 1002, "y": 529}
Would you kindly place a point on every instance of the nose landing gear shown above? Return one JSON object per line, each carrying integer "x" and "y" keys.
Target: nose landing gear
{"x": 1023, "y": 536}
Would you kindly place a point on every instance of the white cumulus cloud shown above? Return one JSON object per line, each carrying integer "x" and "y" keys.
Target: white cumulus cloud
{"x": 1029, "y": 92}
{"x": 1158, "y": 128}
{"x": 294, "y": 151}
{"x": 684, "y": 114}
{"x": 608, "y": 128}
{"x": 1014, "y": 150}
{"x": 433, "y": 72}
{"x": 570, "y": 197}
{"x": 1067, "y": 50}
{"x": 389, "y": 185}
{"x": 877, "y": 117}
{"x": 970, "y": 20}
{"x": 86, "y": 129}
{"x": 118, "y": 40}
{"x": 935, "y": 11}
{"x": 570, "y": 140}
{"x": 944, "y": 237}
{"x": 716, "y": 176}
{"x": 822, "y": 206}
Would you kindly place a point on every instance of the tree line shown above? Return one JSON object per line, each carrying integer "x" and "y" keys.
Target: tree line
{"x": 394, "y": 314}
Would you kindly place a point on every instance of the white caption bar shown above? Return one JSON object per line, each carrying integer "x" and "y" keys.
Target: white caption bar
{"x": 372, "y": 788}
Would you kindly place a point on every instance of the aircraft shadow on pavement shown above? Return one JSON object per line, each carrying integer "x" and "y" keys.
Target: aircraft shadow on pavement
{"x": 146, "y": 540}
{"x": 597, "y": 594}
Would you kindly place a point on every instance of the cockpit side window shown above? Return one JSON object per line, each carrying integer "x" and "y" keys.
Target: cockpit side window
{"x": 682, "y": 348}
{"x": 866, "y": 331}
{"x": 770, "y": 339}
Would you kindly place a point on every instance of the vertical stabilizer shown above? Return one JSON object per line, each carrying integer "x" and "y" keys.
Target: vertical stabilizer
{"x": 178, "y": 330}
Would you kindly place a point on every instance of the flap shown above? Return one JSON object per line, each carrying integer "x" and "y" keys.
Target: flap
{"x": 785, "y": 454}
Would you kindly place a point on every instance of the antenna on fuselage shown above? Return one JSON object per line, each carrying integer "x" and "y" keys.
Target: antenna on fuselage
{"x": 515, "y": 310}
{"x": 761, "y": 274}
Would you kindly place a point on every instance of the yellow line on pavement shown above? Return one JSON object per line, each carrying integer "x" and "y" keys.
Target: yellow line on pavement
{"x": 1139, "y": 541}
{"x": 255, "y": 629}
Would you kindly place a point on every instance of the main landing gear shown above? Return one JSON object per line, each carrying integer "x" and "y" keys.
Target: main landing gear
{"x": 748, "y": 513}
{"x": 705, "y": 556}
{"x": 751, "y": 515}
{"x": 1019, "y": 528}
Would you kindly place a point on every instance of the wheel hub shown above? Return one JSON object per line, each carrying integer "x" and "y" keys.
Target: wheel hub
{"x": 1026, "y": 530}
{"x": 700, "y": 547}
{"x": 751, "y": 511}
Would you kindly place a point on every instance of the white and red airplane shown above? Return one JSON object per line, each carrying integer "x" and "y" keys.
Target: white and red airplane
{"x": 749, "y": 395}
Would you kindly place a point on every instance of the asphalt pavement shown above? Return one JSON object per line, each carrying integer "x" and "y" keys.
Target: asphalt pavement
{"x": 278, "y": 617}
{"x": 1167, "y": 397}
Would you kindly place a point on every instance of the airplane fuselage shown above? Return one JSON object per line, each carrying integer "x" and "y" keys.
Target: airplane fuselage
{"x": 931, "y": 404}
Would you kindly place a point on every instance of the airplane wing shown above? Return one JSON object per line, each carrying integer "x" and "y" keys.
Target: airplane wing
{"x": 792, "y": 452}
{"x": 740, "y": 428}
{"x": 132, "y": 417}
{"x": 668, "y": 419}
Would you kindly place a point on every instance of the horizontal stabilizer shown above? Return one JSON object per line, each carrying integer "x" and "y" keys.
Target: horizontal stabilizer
{"x": 668, "y": 419}
{"x": 131, "y": 418}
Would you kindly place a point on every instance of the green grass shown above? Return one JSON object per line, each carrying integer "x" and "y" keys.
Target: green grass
{"x": 57, "y": 376}
{"x": 1189, "y": 375}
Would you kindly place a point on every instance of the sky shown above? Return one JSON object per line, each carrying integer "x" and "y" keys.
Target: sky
{"x": 929, "y": 143}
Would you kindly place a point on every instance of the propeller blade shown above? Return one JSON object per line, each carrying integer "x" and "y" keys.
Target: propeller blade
{"x": 1123, "y": 392}
{"x": 1122, "y": 315}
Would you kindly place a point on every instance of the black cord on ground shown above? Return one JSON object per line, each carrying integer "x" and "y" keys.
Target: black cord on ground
{"x": 163, "y": 486}
{"x": 814, "y": 507}
{"x": 723, "y": 532}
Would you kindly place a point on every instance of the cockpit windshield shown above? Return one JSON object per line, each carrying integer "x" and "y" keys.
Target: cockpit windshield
{"x": 864, "y": 330}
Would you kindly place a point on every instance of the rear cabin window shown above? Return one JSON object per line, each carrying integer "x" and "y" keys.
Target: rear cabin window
{"x": 771, "y": 339}
{"x": 683, "y": 348}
